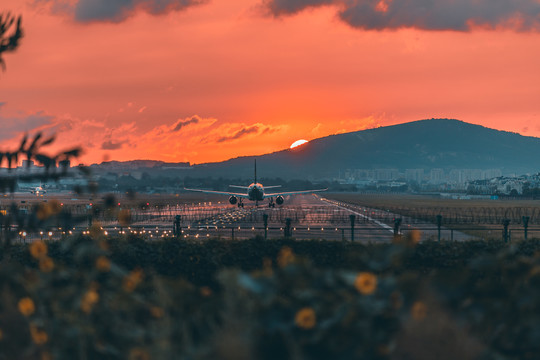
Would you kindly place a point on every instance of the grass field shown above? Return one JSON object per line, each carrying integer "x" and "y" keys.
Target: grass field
{"x": 478, "y": 217}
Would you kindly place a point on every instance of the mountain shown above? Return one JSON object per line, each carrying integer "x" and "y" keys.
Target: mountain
{"x": 425, "y": 144}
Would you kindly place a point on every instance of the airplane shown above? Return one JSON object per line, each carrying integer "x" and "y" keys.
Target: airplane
{"x": 38, "y": 190}
{"x": 33, "y": 189}
{"x": 255, "y": 192}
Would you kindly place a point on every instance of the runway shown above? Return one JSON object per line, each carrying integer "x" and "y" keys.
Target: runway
{"x": 310, "y": 217}
{"x": 300, "y": 217}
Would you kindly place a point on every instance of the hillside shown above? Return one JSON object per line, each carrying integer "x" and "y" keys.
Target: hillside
{"x": 424, "y": 144}
{"x": 427, "y": 144}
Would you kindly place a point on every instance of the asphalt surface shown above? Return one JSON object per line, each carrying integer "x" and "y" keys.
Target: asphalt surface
{"x": 310, "y": 217}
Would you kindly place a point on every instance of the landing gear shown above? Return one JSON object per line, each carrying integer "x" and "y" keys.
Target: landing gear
{"x": 240, "y": 204}
{"x": 271, "y": 204}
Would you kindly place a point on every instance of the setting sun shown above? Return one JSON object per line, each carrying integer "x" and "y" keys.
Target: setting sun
{"x": 298, "y": 143}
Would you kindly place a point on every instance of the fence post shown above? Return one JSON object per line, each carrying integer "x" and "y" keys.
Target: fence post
{"x": 506, "y": 222}
{"x": 439, "y": 222}
{"x": 232, "y": 233}
{"x": 353, "y": 219}
{"x": 397, "y": 223}
{"x": 525, "y": 226}
{"x": 265, "y": 220}
{"x": 177, "y": 230}
{"x": 287, "y": 227}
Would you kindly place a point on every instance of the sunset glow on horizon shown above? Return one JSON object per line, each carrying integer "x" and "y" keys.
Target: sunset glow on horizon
{"x": 205, "y": 81}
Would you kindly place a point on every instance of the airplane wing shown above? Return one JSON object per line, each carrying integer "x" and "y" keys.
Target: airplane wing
{"x": 294, "y": 192}
{"x": 242, "y": 195}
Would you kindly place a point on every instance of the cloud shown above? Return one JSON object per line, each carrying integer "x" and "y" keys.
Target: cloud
{"x": 457, "y": 15}
{"x": 110, "y": 145}
{"x": 239, "y": 134}
{"x": 231, "y": 132}
{"x": 288, "y": 7}
{"x": 15, "y": 126}
{"x": 181, "y": 123}
{"x": 115, "y": 10}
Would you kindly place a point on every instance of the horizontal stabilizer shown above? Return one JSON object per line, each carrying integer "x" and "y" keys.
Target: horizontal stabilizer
{"x": 272, "y": 186}
{"x": 239, "y": 186}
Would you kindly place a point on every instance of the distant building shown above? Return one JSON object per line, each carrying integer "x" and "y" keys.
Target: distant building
{"x": 386, "y": 174}
{"x": 436, "y": 176}
{"x": 416, "y": 175}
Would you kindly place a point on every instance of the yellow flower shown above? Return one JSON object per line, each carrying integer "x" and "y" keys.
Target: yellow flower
{"x": 138, "y": 354}
{"x": 95, "y": 231}
{"x": 285, "y": 256}
{"x": 39, "y": 337}
{"x": 132, "y": 280}
{"x": 38, "y": 249}
{"x": 157, "y": 312}
{"x": 46, "y": 264}
{"x": 89, "y": 300}
{"x": 55, "y": 207}
{"x": 419, "y": 310}
{"x": 103, "y": 264}
{"x": 206, "y": 291}
{"x": 26, "y": 306}
{"x": 43, "y": 211}
{"x": 305, "y": 318}
{"x": 413, "y": 237}
{"x": 366, "y": 283}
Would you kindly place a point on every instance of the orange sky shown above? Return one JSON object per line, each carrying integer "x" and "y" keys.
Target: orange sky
{"x": 225, "y": 78}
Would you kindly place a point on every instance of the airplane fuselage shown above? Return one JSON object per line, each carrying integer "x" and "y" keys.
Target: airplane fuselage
{"x": 255, "y": 192}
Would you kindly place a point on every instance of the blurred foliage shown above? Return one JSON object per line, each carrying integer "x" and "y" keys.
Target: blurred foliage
{"x": 41, "y": 216}
{"x": 125, "y": 298}
{"x": 11, "y": 34}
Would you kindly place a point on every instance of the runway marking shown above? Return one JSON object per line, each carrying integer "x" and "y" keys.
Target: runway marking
{"x": 383, "y": 225}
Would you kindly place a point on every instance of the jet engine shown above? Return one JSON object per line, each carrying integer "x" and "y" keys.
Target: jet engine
{"x": 279, "y": 200}
{"x": 233, "y": 200}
